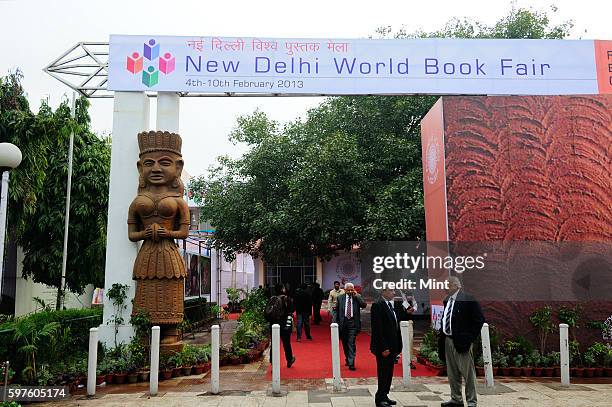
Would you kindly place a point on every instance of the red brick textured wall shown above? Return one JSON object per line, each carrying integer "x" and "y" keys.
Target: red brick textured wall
{"x": 529, "y": 168}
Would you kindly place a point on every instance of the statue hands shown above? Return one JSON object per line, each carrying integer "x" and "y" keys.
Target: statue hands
{"x": 152, "y": 232}
{"x": 162, "y": 232}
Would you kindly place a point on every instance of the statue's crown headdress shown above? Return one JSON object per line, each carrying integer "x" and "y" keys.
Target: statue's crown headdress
{"x": 149, "y": 141}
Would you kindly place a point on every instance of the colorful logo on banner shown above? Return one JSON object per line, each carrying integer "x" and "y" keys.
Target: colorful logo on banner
{"x": 154, "y": 61}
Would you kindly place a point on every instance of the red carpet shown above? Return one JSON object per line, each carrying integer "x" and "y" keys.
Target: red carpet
{"x": 313, "y": 358}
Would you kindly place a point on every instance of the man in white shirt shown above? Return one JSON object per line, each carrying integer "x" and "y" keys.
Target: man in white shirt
{"x": 462, "y": 320}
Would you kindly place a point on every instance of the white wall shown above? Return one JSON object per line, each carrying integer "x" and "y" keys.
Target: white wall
{"x": 239, "y": 273}
{"x": 26, "y": 290}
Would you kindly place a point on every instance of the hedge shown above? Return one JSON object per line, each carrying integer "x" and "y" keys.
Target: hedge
{"x": 78, "y": 320}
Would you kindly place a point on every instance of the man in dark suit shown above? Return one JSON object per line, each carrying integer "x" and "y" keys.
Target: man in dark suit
{"x": 317, "y": 300}
{"x": 385, "y": 344}
{"x": 303, "y": 309}
{"x": 348, "y": 318}
{"x": 461, "y": 323}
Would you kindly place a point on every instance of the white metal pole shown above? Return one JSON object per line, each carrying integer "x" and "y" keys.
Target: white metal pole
{"x": 564, "y": 346}
{"x": 154, "y": 373}
{"x": 486, "y": 355}
{"x": 335, "y": 339}
{"x": 3, "y": 205}
{"x": 276, "y": 359}
{"x": 406, "y": 374}
{"x": 410, "y": 343}
{"x": 60, "y": 298}
{"x": 214, "y": 375}
{"x": 92, "y": 362}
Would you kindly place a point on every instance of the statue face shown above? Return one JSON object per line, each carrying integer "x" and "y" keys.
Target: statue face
{"x": 160, "y": 167}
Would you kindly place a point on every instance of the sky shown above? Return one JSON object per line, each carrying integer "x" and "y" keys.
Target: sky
{"x": 35, "y": 32}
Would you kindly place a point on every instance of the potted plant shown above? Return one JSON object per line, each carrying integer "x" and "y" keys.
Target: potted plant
{"x": 517, "y": 363}
{"x": 541, "y": 320}
{"x": 233, "y": 297}
{"x": 530, "y": 361}
{"x": 598, "y": 352}
{"x": 500, "y": 360}
{"x": 144, "y": 374}
{"x": 555, "y": 363}
{"x": 550, "y": 363}
{"x": 607, "y": 363}
{"x": 234, "y": 357}
{"x": 189, "y": 359}
{"x": 535, "y": 361}
{"x": 136, "y": 359}
{"x": 120, "y": 371}
{"x": 118, "y": 295}
{"x": 110, "y": 369}
{"x": 101, "y": 370}
{"x": 165, "y": 369}
{"x": 589, "y": 364}
{"x": 480, "y": 366}
{"x": 176, "y": 361}
{"x": 200, "y": 360}
{"x": 576, "y": 358}
{"x": 203, "y": 358}
{"x": 262, "y": 345}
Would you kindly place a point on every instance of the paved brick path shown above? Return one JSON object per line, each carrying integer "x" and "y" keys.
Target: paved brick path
{"x": 248, "y": 385}
{"x": 358, "y": 395}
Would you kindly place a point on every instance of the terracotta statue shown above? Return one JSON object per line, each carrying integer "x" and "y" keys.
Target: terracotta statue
{"x": 158, "y": 215}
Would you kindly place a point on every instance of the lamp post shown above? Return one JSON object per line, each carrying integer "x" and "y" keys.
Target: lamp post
{"x": 10, "y": 158}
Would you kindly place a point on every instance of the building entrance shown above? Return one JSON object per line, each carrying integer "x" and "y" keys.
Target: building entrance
{"x": 292, "y": 271}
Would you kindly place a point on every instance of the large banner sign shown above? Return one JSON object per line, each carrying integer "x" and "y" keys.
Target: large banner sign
{"x": 224, "y": 65}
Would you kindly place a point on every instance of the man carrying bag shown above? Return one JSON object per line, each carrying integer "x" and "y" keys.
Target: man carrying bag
{"x": 279, "y": 310}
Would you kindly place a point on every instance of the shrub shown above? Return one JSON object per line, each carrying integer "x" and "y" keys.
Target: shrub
{"x": 71, "y": 338}
{"x": 541, "y": 319}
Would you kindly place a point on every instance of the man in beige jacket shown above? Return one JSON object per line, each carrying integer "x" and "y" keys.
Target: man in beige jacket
{"x": 333, "y": 299}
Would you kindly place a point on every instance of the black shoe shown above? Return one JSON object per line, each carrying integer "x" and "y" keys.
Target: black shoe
{"x": 382, "y": 404}
{"x": 391, "y": 402}
{"x": 309, "y": 338}
{"x": 451, "y": 403}
{"x": 291, "y": 362}
{"x": 352, "y": 367}
{"x": 412, "y": 366}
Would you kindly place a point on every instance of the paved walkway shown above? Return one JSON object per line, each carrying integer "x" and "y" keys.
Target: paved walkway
{"x": 360, "y": 394}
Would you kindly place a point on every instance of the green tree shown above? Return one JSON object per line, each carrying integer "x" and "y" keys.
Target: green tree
{"x": 38, "y": 188}
{"x": 349, "y": 172}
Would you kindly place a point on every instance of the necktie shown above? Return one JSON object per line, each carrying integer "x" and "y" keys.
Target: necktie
{"x": 392, "y": 310}
{"x": 349, "y": 307}
{"x": 447, "y": 319}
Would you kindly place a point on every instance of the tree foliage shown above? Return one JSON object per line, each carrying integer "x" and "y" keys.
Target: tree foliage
{"x": 38, "y": 188}
{"x": 349, "y": 172}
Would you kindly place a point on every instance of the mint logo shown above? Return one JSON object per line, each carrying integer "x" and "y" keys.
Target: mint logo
{"x": 154, "y": 62}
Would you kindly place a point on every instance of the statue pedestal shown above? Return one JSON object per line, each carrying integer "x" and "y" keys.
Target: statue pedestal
{"x": 170, "y": 348}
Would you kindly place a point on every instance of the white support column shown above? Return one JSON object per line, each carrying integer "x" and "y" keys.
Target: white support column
{"x": 154, "y": 371}
{"x": 168, "y": 104}
{"x": 411, "y": 338}
{"x": 130, "y": 116}
{"x": 486, "y": 355}
{"x": 335, "y": 344}
{"x": 564, "y": 347}
{"x": 214, "y": 359}
{"x": 406, "y": 374}
{"x": 276, "y": 359}
{"x": 92, "y": 362}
